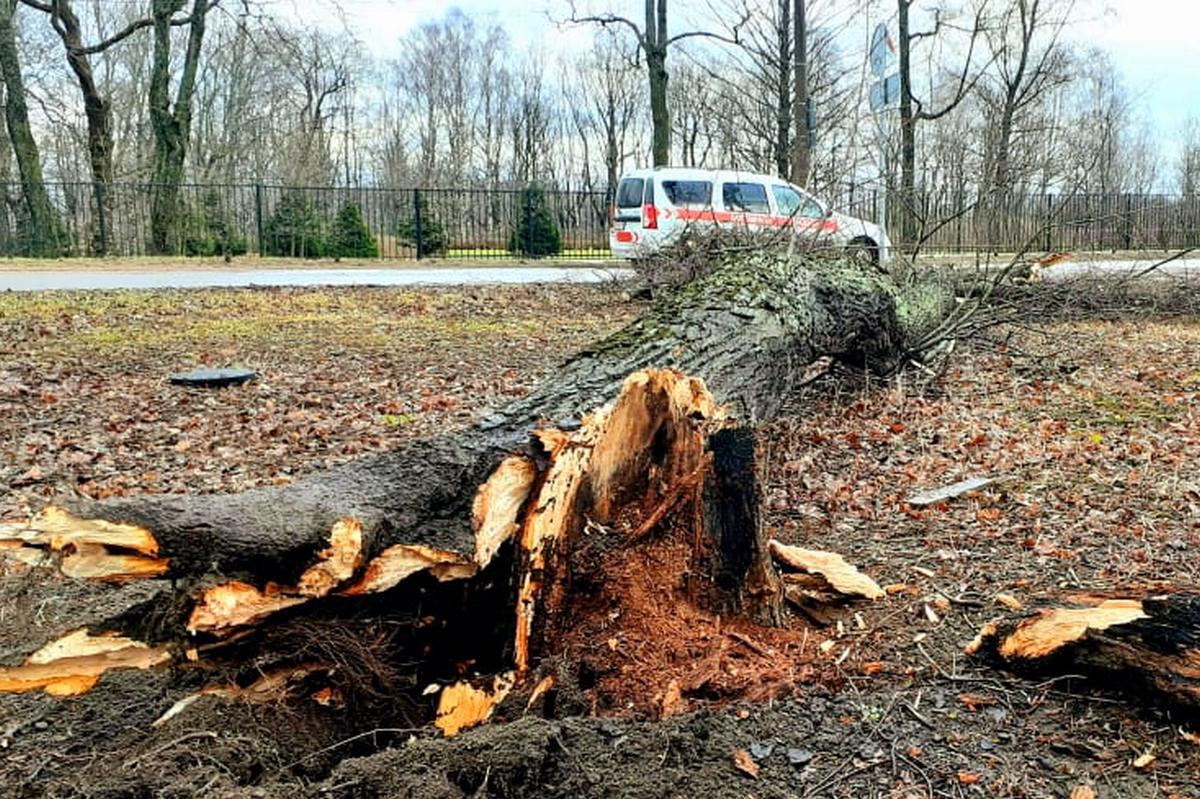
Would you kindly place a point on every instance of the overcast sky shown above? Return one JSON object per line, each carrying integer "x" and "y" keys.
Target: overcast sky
{"x": 1155, "y": 43}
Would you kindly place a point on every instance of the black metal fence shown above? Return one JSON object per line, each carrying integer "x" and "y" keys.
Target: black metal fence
{"x": 955, "y": 222}
{"x": 215, "y": 220}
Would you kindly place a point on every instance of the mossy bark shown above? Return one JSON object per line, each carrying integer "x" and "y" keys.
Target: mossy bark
{"x": 171, "y": 125}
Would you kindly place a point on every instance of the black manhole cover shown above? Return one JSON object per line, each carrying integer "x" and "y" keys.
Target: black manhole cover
{"x": 213, "y": 378}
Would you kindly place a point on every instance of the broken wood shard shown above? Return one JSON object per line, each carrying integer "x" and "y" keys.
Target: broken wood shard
{"x": 74, "y": 663}
{"x": 830, "y": 566}
{"x": 1053, "y": 629}
{"x": 235, "y": 604}
{"x": 462, "y": 705}
{"x": 1149, "y": 646}
{"x": 497, "y": 505}
{"x": 85, "y": 548}
{"x": 338, "y": 562}
{"x": 937, "y": 495}
{"x": 394, "y": 564}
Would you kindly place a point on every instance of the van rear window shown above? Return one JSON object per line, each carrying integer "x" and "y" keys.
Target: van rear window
{"x": 688, "y": 193}
{"x": 629, "y": 193}
{"x": 747, "y": 197}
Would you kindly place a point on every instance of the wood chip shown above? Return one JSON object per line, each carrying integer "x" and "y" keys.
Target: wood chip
{"x": 1082, "y": 792}
{"x": 744, "y": 763}
{"x": 840, "y": 575}
{"x": 1144, "y": 760}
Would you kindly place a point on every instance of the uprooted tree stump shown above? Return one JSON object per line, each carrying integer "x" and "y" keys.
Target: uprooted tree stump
{"x": 489, "y": 552}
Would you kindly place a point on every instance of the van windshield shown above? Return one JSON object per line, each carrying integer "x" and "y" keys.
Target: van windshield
{"x": 629, "y": 193}
{"x": 688, "y": 193}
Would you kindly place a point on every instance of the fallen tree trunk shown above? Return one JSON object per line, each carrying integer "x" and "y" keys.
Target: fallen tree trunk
{"x": 1148, "y": 646}
{"x": 508, "y": 498}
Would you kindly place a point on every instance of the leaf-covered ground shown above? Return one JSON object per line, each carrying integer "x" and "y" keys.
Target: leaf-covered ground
{"x": 1093, "y": 430}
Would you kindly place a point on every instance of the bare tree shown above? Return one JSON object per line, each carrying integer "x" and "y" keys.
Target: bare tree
{"x": 45, "y": 230}
{"x": 914, "y": 110}
{"x": 655, "y": 42}
{"x": 1188, "y": 164}
{"x": 1028, "y": 60}
{"x": 801, "y": 154}
{"x": 171, "y": 122}
{"x": 97, "y": 108}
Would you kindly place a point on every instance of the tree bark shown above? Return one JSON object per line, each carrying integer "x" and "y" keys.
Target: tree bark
{"x": 801, "y": 144}
{"x": 908, "y": 129}
{"x": 171, "y": 125}
{"x": 98, "y": 112}
{"x": 655, "y": 49}
{"x": 46, "y": 234}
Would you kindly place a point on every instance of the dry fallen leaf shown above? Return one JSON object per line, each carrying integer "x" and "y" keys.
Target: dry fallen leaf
{"x": 1144, "y": 760}
{"x": 1082, "y": 792}
{"x": 744, "y": 763}
{"x": 1008, "y": 601}
{"x": 973, "y": 702}
{"x": 968, "y": 778}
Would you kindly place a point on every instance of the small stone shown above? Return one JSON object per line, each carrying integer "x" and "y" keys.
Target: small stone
{"x": 41, "y": 725}
{"x": 760, "y": 751}
{"x": 987, "y": 746}
{"x": 568, "y": 424}
{"x": 1177, "y": 544}
{"x": 798, "y": 756}
{"x": 870, "y": 751}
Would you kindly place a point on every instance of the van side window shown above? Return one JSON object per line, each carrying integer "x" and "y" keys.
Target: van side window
{"x": 688, "y": 193}
{"x": 629, "y": 193}
{"x": 787, "y": 199}
{"x": 747, "y": 197}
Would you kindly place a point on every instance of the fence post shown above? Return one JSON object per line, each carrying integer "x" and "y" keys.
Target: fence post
{"x": 420, "y": 234}
{"x": 101, "y": 218}
{"x": 1128, "y": 232}
{"x": 258, "y": 216}
{"x": 528, "y": 242}
{"x": 1049, "y": 228}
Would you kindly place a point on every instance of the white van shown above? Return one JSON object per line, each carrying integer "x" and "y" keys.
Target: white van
{"x": 653, "y": 208}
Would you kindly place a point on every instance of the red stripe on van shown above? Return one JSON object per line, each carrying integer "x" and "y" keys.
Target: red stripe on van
{"x": 828, "y": 225}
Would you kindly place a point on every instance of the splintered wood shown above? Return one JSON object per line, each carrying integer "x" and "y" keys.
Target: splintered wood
{"x": 74, "y": 663}
{"x": 1051, "y": 630}
{"x": 85, "y": 548}
{"x": 612, "y": 454}
{"x": 462, "y": 705}
{"x": 830, "y": 567}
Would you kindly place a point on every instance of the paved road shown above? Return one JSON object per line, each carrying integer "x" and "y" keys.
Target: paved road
{"x": 41, "y": 280}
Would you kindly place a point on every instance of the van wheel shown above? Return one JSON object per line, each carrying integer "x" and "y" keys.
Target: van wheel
{"x": 864, "y": 249}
